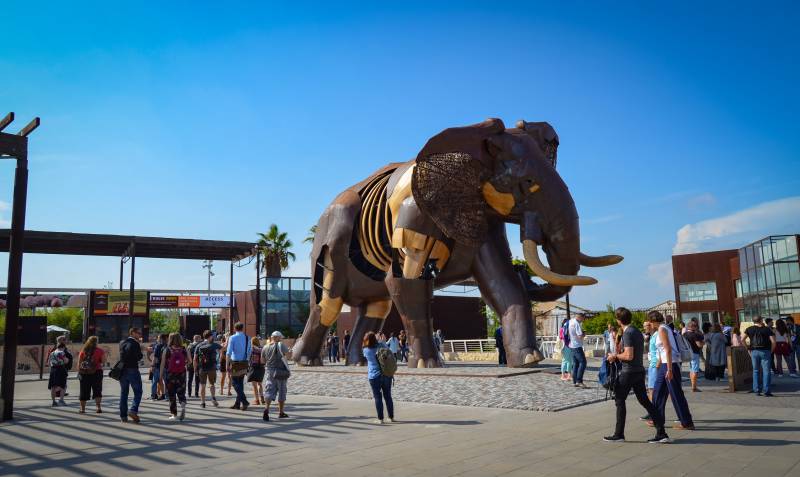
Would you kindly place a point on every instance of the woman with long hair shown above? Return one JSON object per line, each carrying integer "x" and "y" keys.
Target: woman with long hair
{"x": 783, "y": 349}
{"x": 223, "y": 367}
{"x": 173, "y": 361}
{"x": 255, "y": 374}
{"x": 381, "y": 385}
{"x": 90, "y": 374}
{"x": 717, "y": 357}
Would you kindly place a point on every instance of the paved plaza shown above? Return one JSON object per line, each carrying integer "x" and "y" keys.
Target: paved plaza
{"x": 737, "y": 433}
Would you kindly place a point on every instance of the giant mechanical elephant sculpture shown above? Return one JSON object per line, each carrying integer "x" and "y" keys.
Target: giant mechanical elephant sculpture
{"x": 440, "y": 219}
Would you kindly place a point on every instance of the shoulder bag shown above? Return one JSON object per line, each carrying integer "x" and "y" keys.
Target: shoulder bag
{"x": 282, "y": 373}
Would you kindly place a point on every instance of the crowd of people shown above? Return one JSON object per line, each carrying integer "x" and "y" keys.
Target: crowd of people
{"x": 181, "y": 369}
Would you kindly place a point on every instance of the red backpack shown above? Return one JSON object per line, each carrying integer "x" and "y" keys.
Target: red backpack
{"x": 176, "y": 360}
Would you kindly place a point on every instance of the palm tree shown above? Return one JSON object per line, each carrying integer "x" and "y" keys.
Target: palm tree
{"x": 274, "y": 246}
{"x": 312, "y": 232}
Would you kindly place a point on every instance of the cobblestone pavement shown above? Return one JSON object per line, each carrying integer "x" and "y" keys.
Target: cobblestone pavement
{"x": 540, "y": 391}
{"x": 452, "y": 368}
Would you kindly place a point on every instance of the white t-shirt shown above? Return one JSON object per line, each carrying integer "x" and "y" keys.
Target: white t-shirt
{"x": 575, "y": 334}
{"x": 779, "y": 338}
{"x": 662, "y": 352}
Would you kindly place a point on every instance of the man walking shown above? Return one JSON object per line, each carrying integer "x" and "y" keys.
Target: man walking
{"x": 156, "y": 390}
{"x": 130, "y": 353}
{"x": 501, "y": 347}
{"x": 205, "y": 362}
{"x": 576, "y": 348}
{"x": 760, "y": 340}
{"x": 238, "y": 354}
{"x": 632, "y": 376}
{"x": 346, "y": 341}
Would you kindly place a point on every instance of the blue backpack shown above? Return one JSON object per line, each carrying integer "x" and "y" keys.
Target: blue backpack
{"x": 566, "y": 333}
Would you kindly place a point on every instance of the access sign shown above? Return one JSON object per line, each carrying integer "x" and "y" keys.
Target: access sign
{"x": 189, "y": 301}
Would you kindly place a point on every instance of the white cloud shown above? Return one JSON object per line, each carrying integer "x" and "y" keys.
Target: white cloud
{"x": 4, "y": 206}
{"x": 740, "y": 228}
{"x": 661, "y": 273}
{"x": 702, "y": 201}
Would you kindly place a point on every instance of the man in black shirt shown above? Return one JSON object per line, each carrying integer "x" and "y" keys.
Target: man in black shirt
{"x": 760, "y": 341}
{"x": 130, "y": 353}
{"x": 631, "y": 376}
{"x": 696, "y": 341}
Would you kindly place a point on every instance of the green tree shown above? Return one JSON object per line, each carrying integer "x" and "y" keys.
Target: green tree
{"x": 164, "y": 321}
{"x": 312, "y": 232}
{"x": 275, "y": 250}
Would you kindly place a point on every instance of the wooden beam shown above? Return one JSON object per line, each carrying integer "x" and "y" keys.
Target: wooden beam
{"x": 6, "y": 120}
{"x": 30, "y": 127}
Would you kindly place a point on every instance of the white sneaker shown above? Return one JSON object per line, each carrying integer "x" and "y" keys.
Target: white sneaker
{"x": 183, "y": 411}
{"x": 378, "y": 421}
{"x": 173, "y": 417}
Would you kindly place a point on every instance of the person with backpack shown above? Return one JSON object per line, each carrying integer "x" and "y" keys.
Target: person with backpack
{"x": 668, "y": 378}
{"x": 173, "y": 374}
{"x": 277, "y": 375}
{"x": 130, "y": 353}
{"x": 255, "y": 374}
{"x": 156, "y": 388}
{"x": 238, "y": 359}
{"x": 632, "y": 377}
{"x": 381, "y": 367}
{"x": 205, "y": 362}
{"x": 576, "y": 334}
{"x": 191, "y": 372}
{"x": 57, "y": 382}
{"x": 90, "y": 374}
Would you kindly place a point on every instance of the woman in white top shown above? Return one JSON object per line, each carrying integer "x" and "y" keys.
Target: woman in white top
{"x": 783, "y": 350}
{"x": 668, "y": 378}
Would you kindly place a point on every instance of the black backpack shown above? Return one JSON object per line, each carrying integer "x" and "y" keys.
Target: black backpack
{"x": 205, "y": 356}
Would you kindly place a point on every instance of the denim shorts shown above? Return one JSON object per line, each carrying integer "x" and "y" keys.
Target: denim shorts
{"x": 694, "y": 364}
{"x": 651, "y": 377}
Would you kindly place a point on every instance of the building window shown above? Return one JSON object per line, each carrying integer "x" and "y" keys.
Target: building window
{"x": 738, "y": 283}
{"x": 706, "y": 291}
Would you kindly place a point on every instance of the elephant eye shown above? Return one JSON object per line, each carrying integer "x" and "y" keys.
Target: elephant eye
{"x": 531, "y": 185}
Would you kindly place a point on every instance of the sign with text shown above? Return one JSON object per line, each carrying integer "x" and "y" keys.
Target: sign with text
{"x": 108, "y": 302}
{"x": 215, "y": 301}
{"x": 189, "y": 301}
{"x": 163, "y": 301}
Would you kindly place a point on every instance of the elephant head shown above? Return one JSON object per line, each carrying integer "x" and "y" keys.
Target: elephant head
{"x": 464, "y": 176}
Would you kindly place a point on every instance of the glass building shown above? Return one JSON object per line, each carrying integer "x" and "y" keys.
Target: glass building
{"x": 770, "y": 278}
{"x": 285, "y": 304}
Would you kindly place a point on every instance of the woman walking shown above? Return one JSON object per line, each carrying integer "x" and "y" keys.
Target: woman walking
{"x": 783, "y": 349}
{"x": 403, "y": 346}
{"x": 223, "y": 367}
{"x": 90, "y": 374}
{"x": 381, "y": 385}
{"x": 277, "y": 374}
{"x": 58, "y": 373}
{"x": 173, "y": 361}
{"x": 255, "y": 374}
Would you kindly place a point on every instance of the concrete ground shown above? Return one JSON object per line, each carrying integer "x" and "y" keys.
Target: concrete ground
{"x": 737, "y": 434}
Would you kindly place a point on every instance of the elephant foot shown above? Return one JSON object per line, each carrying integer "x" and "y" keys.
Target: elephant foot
{"x": 308, "y": 361}
{"x": 524, "y": 358}
{"x": 363, "y": 325}
{"x": 424, "y": 363}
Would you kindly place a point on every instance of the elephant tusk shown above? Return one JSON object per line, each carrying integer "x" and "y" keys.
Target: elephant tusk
{"x": 602, "y": 261}
{"x": 532, "y": 257}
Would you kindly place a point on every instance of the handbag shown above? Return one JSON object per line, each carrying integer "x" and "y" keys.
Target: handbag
{"x": 282, "y": 373}
{"x": 116, "y": 371}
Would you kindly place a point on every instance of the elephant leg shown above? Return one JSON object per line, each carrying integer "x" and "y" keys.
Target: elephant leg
{"x": 371, "y": 317}
{"x": 413, "y": 297}
{"x": 502, "y": 288}
{"x": 308, "y": 349}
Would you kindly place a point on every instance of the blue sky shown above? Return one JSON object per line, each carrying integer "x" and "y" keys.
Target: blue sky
{"x": 201, "y": 121}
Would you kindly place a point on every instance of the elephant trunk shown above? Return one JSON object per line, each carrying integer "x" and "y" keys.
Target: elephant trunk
{"x": 562, "y": 246}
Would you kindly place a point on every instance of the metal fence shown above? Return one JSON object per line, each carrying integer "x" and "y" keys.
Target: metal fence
{"x": 547, "y": 345}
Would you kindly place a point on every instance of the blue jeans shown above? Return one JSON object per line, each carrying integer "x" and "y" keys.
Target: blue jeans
{"x": 382, "y": 385}
{"x": 578, "y": 365}
{"x": 238, "y": 385}
{"x": 762, "y": 363}
{"x": 130, "y": 378}
{"x": 156, "y": 378}
{"x": 673, "y": 388}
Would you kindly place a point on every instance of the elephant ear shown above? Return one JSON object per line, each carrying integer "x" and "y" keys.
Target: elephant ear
{"x": 447, "y": 187}
{"x": 446, "y": 182}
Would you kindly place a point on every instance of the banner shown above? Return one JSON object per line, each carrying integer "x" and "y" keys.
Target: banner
{"x": 108, "y": 302}
{"x": 215, "y": 301}
{"x": 163, "y": 301}
{"x": 189, "y": 301}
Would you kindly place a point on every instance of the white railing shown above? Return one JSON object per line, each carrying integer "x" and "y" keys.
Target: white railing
{"x": 547, "y": 345}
